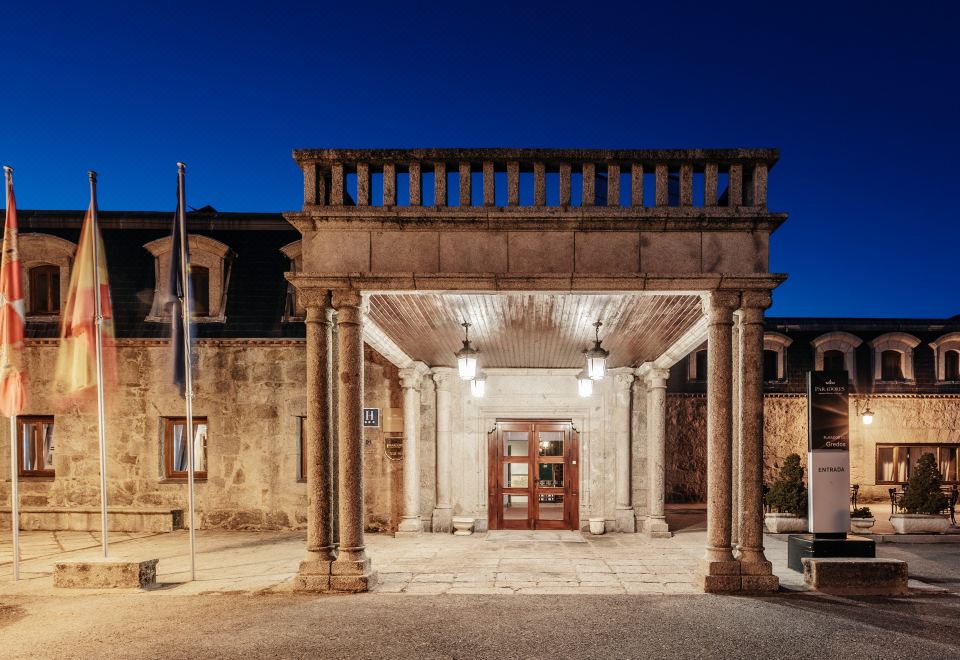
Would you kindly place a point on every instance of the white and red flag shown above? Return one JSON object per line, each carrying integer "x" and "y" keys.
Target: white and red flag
{"x": 12, "y": 381}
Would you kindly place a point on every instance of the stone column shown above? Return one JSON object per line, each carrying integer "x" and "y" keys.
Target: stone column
{"x": 719, "y": 571}
{"x": 410, "y": 382}
{"x": 314, "y": 573}
{"x": 756, "y": 572}
{"x": 445, "y": 378}
{"x": 737, "y": 433}
{"x": 352, "y": 569}
{"x": 656, "y": 380}
{"x": 622, "y": 381}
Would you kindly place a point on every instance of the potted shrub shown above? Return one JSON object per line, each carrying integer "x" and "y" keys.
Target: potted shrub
{"x": 861, "y": 519}
{"x": 788, "y": 499}
{"x": 922, "y": 501}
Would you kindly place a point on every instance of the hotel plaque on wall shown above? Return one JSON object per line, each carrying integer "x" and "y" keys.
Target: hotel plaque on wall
{"x": 393, "y": 447}
{"x": 828, "y": 452}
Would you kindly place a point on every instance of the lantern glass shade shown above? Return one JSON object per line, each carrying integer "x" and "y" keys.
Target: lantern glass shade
{"x": 868, "y": 417}
{"x": 467, "y": 364}
{"x": 584, "y": 385}
{"x": 478, "y": 386}
{"x": 596, "y": 366}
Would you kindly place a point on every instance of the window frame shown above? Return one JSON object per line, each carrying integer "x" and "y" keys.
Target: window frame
{"x": 896, "y": 446}
{"x": 901, "y": 342}
{"x": 169, "y": 474}
{"x": 33, "y": 419}
{"x": 40, "y": 249}
{"x": 943, "y": 345}
{"x": 693, "y": 373}
{"x": 844, "y": 342}
{"x": 207, "y": 252}
{"x": 777, "y": 343}
{"x": 53, "y": 283}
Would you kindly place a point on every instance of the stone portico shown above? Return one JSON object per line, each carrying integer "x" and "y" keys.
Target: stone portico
{"x": 533, "y": 245}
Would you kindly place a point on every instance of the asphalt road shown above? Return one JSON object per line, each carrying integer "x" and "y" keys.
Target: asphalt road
{"x": 394, "y": 626}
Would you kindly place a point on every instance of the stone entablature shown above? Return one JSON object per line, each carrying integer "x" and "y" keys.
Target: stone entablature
{"x": 602, "y": 234}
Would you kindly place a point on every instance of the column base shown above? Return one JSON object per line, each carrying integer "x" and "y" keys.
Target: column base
{"x": 313, "y": 576}
{"x": 409, "y": 527}
{"x": 348, "y": 576}
{"x": 442, "y": 521}
{"x": 757, "y": 576}
{"x": 657, "y": 528}
{"x": 719, "y": 577}
{"x": 626, "y": 521}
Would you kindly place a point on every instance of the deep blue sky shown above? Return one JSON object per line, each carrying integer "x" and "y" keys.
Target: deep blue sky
{"x": 861, "y": 98}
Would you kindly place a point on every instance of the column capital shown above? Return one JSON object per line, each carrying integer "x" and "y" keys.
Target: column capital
{"x": 656, "y": 378}
{"x": 622, "y": 378}
{"x": 753, "y": 304}
{"x": 310, "y": 297}
{"x": 341, "y": 298}
{"x": 411, "y": 377}
{"x": 444, "y": 377}
{"x": 322, "y": 314}
{"x": 719, "y": 305}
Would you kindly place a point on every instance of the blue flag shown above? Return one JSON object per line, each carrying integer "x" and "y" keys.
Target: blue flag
{"x": 178, "y": 293}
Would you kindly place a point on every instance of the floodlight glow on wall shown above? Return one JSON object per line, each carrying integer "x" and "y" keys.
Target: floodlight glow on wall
{"x": 478, "y": 386}
{"x": 467, "y": 356}
{"x": 584, "y": 384}
{"x": 597, "y": 357}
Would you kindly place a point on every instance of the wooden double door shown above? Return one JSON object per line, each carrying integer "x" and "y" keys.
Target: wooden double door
{"x": 534, "y": 476}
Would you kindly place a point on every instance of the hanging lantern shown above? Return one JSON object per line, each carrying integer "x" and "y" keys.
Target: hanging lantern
{"x": 478, "y": 386}
{"x": 868, "y": 417}
{"x": 597, "y": 357}
{"x": 584, "y": 384}
{"x": 467, "y": 356}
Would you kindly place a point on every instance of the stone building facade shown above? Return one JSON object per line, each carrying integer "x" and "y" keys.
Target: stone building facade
{"x": 355, "y": 302}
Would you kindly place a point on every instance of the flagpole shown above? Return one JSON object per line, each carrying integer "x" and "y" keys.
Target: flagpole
{"x": 14, "y": 497}
{"x": 98, "y": 316}
{"x": 14, "y": 462}
{"x": 187, "y": 359}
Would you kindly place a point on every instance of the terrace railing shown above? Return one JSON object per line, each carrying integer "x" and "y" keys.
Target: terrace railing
{"x": 438, "y": 179}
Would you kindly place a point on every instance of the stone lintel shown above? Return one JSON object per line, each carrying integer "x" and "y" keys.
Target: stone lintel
{"x": 105, "y": 573}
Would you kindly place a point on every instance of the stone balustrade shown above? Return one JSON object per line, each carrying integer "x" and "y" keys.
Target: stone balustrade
{"x": 640, "y": 182}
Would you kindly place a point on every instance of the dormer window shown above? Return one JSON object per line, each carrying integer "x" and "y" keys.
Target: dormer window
{"x": 293, "y": 311}
{"x": 775, "y": 356}
{"x": 946, "y": 352}
{"x": 210, "y": 265}
{"x": 836, "y": 351}
{"x": 46, "y": 261}
{"x": 893, "y": 357}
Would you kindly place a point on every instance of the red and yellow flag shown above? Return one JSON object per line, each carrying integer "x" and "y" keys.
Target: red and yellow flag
{"x": 77, "y": 358}
{"x": 13, "y": 396}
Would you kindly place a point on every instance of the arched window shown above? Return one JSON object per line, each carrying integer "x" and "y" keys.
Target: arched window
{"x": 893, "y": 356}
{"x": 775, "y": 347}
{"x": 45, "y": 290}
{"x": 837, "y": 342}
{"x": 834, "y": 360}
{"x": 951, "y": 365}
{"x": 293, "y": 310}
{"x": 210, "y": 264}
{"x": 946, "y": 352}
{"x": 46, "y": 261}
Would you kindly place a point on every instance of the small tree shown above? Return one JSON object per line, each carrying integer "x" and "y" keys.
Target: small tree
{"x": 923, "y": 494}
{"x": 788, "y": 494}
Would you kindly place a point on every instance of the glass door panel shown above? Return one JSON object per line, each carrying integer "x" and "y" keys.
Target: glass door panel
{"x": 550, "y": 443}
{"x": 516, "y": 507}
{"x": 516, "y": 475}
{"x": 550, "y": 475}
{"x": 550, "y": 507}
{"x": 516, "y": 443}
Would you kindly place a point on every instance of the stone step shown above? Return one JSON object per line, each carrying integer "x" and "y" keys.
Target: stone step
{"x": 119, "y": 519}
{"x": 856, "y": 576}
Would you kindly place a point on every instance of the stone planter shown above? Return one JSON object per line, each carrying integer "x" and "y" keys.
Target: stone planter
{"x": 784, "y": 523}
{"x": 918, "y": 523}
{"x": 597, "y": 526}
{"x": 861, "y": 525}
{"x": 462, "y": 526}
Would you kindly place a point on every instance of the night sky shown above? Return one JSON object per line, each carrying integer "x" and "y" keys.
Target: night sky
{"x": 861, "y": 99}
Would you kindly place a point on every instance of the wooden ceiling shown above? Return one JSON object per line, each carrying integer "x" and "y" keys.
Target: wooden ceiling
{"x": 534, "y": 330}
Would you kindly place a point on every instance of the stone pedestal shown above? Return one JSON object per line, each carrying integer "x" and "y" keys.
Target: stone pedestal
{"x": 857, "y": 577}
{"x": 313, "y": 576}
{"x": 352, "y": 576}
{"x": 105, "y": 574}
{"x": 719, "y": 577}
{"x": 462, "y": 526}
